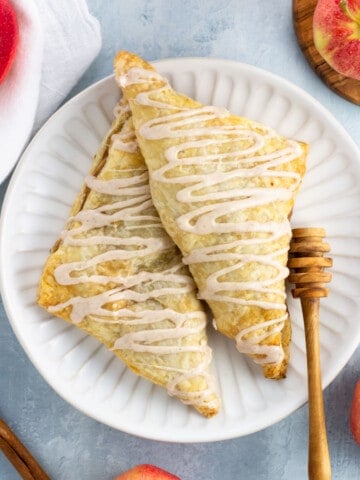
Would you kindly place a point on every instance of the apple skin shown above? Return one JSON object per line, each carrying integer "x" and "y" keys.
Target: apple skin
{"x": 355, "y": 414}
{"x": 336, "y": 30}
{"x": 9, "y": 37}
{"x": 146, "y": 472}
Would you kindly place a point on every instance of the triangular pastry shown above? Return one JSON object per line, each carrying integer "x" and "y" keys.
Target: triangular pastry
{"x": 224, "y": 187}
{"x": 117, "y": 275}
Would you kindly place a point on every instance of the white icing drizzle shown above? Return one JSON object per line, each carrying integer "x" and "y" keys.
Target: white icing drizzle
{"x": 139, "y": 75}
{"x": 252, "y": 346}
{"x": 209, "y": 185}
{"x": 129, "y": 201}
{"x": 125, "y": 141}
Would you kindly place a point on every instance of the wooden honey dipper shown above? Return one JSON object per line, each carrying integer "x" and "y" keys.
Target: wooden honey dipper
{"x": 307, "y": 262}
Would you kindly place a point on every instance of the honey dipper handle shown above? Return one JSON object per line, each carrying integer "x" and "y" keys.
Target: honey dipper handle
{"x": 319, "y": 459}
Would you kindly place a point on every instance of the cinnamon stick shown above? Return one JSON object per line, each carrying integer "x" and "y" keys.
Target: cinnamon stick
{"x": 19, "y": 455}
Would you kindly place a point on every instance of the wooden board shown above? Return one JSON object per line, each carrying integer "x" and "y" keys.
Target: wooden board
{"x": 303, "y": 11}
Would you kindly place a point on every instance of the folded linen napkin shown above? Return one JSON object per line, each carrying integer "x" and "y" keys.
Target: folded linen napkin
{"x": 57, "y": 42}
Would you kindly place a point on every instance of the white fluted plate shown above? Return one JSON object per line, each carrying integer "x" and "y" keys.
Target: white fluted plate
{"x": 82, "y": 371}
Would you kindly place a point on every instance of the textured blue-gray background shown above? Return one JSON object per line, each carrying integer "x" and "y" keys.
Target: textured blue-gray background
{"x": 72, "y": 446}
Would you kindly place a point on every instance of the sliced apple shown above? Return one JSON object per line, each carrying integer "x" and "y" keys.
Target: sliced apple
{"x": 355, "y": 414}
{"x": 146, "y": 472}
{"x": 336, "y": 29}
{"x": 9, "y": 37}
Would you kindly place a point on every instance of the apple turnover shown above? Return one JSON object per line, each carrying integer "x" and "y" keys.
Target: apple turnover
{"x": 224, "y": 187}
{"x": 117, "y": 275}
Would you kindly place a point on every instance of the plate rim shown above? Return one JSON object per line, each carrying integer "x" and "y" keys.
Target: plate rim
{"x": 135, "y": 430}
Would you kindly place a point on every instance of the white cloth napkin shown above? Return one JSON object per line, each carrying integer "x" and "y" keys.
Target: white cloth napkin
{"x": 58, "y": 39}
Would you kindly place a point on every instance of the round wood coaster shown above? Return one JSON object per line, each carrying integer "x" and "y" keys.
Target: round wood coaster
{"x": 303, "y": 11}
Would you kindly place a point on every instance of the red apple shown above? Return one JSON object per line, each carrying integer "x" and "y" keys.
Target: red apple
{"x": 9, "y": 37}
{"x": 355, "y": 414}
{"x": 336, "y": 26}
{"x": 146, "y": 472}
